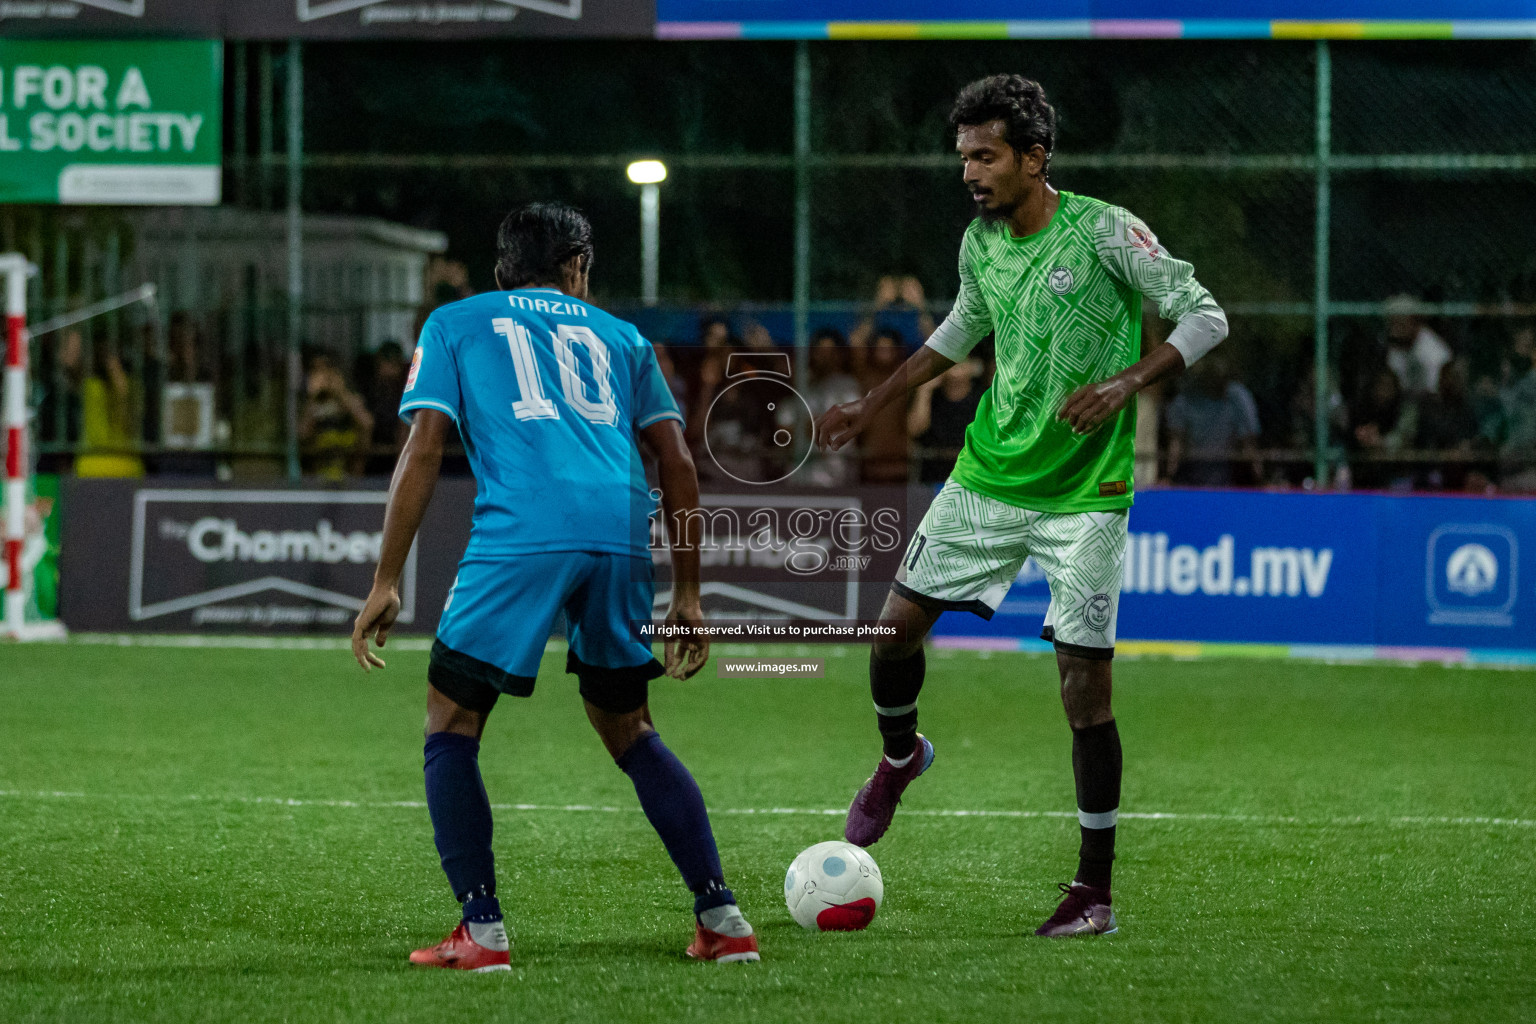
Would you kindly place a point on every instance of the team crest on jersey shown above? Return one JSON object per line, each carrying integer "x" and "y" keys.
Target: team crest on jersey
{"x": 1142, "y": 238}
{"x": 410, "y": 380}
{"x": 1060, "y": 280}
{"x": 1096, "y": 612}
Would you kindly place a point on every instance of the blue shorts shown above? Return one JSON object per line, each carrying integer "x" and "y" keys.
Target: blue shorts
{"x": 500, "y": 612}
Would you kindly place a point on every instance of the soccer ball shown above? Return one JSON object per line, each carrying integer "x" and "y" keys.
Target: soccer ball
{"x": 833, "y": 887}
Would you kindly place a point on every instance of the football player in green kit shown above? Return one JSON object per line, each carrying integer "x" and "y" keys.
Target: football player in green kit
{"x": 1046, "y": 471}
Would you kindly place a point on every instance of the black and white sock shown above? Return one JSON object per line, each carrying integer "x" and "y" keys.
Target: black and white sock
{"x": 1096, "y": 766}
{"x": 895, "y": 685}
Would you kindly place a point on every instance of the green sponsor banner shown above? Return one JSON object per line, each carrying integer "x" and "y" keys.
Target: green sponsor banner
{"x": 110, "y": 122}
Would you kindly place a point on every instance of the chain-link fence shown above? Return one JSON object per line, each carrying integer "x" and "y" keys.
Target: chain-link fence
{"x": 800, "y": 176}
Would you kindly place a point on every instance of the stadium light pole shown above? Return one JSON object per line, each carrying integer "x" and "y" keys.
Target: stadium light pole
{"x": 649, "y": 174}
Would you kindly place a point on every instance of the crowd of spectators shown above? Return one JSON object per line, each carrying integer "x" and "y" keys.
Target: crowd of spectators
{"x": 1414, "y": 412}
{"x": 1406, "y": 409}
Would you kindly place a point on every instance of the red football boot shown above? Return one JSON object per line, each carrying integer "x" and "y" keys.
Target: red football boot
{"x": 722, "y": 949}
{"x": 462, "y": 953}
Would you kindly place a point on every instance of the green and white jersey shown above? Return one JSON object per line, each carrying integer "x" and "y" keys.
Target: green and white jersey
{"x": 1065, "y": 307}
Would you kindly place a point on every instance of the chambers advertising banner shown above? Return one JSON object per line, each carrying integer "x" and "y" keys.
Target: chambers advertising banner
{"x": 328, "y": 19}
{"x": 124, "y": 122}
{"x": 198, "y": 558}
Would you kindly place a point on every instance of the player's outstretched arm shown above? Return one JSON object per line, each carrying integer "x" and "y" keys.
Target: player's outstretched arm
{"x": 842, "y": 423}
{"x": 680, "y": 504}
{"x": 410, "y": 492}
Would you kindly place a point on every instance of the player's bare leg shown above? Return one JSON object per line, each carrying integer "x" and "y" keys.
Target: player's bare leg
{"x": 443, "y": 715}
{"x": 896, "y": 670}
{"x": 1086, "y": 689}
{"x": 461, "y": 826}
{"x": 675, "y": 808}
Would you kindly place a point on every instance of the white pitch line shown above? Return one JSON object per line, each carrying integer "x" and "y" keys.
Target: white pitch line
{"x": 1248, "y": 819}
{"x": 250, "y": 643}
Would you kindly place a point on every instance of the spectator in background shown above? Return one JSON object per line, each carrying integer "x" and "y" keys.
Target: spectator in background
{"x": 59, "y": 376}
{"x": 830, "y": 384}
{"x": 733, "y": 450}
{"x": 1301, "y": 433}
{"x": 445, "y": 281}
{"x": 758, "y": 339}
{"x": 941, "y": 411}
{"x": 893, "y": 295}
{"x": 1415, "y": 353}
{"x": 108, "y": 439}
{"x": 710, "y": 358}
{"x": 189, "y": 406}
{"x": 188, "y": 363}
{"x": 1517, "y": 453}
{"x": 1380, "y": 422}
{"x": 717, "y": 343}
{"x": 714, "y": 333}
{"x": 1213, "y": 423}
{"x": 885, "y": 447}
{"x": 676, "y": 382}
{"x": 385, "y": 383}
{"x": 1448, "y": 423}
{"x": 334, "y": 424}
{"x": 732, "y": 427}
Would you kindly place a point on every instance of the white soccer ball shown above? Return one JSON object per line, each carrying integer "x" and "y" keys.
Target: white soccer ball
{"x": 834, "y": 887}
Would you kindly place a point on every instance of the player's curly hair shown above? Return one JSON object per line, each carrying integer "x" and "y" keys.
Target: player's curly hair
{"x": 1028, "y": 118}
{"x": 537, "y": 239}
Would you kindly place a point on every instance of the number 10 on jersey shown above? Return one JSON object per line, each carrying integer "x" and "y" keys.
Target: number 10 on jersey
{"x": 533, "y": 404}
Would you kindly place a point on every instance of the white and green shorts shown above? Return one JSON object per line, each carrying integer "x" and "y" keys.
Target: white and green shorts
{"x": 969, "y": 549}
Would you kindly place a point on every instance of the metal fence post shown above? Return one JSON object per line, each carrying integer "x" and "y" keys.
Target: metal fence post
{"x": 240, "y": 88}
{"x": 265, "y": 129}
{"x": 295, "y": 246}
{"x": 802, "y": 295}
{"x": 1320, "y": 370}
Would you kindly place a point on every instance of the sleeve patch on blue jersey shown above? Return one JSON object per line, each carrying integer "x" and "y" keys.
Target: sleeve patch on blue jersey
{"x": 410, "y": 380}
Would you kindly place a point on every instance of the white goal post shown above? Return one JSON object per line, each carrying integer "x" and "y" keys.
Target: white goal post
{"x": 14, "y": 271}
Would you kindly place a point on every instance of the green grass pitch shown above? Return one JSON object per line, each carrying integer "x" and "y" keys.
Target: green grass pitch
{"x": 1320, "y": 860}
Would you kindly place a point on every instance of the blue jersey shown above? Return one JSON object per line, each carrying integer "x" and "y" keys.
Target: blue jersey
{"x": 548, "y": 393}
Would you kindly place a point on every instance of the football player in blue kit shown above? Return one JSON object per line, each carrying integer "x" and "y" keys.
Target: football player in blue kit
{"x": 549, "y": 395}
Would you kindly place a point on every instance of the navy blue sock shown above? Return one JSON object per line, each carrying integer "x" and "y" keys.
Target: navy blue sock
{"x": 461, "y": 822}
{"x": 675, "y": 808}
